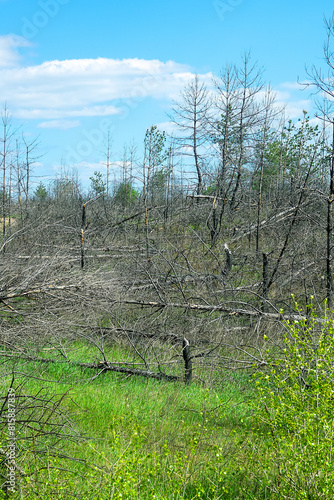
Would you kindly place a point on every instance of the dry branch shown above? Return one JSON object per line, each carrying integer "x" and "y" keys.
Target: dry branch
{"x": 102, "y": 366}
{"x": 213, "y": 308}
{"x": 276, "y": 218}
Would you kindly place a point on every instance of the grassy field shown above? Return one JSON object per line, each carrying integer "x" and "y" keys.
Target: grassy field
{"x": 86, "y": 433}
{"x": 143, "y": 439}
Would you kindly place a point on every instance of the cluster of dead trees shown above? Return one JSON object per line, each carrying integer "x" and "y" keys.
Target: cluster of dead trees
{"x": 182, "y": 274}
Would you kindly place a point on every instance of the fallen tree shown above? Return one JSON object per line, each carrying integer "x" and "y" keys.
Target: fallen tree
{"x": 255, "y": 313}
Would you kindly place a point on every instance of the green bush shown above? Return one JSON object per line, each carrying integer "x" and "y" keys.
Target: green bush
{"x": 125, "y": 194}
{"x": 296, "y": 409}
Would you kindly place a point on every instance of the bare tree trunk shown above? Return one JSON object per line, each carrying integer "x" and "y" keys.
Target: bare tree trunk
{"x": 196, "y": 157}
{"x": 240, "y": 162}
{"x": 329, "y": 231}
{"x": 108, "y": 162}
{"x": 10, "y": 198}
{"x": 187, "y": 361}
{"x": 30, "y": 160}
{"x": 7, "y": 135}
{"x": 4, "y": 155}
{"x": 190, "y": 115}
{"x": 214, "y": 230}
{"x": 259, "y": 205}
{"x": 83, "y": 225}
{"x": 264, "y": 282}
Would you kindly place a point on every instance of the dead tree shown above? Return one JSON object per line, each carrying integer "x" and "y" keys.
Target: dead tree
{"x": 191, "y": 115}
{"x": 229, "y": 260}
{"x": 323, "y": 84}
{"x": 187, "y": 361}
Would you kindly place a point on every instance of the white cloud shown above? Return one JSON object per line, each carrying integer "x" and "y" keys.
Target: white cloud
{"x": 9, "y": 53}
{"x": 294, "y": 109}
{"x": 291, "y": 97}
{"x": 61, "y": 124}
{"x": 58, "y": 93}
{"x": 56, "y": 114}
{"x": 291, "y": 85}
{"x": 169, "y": 127}
{"x": 56, "y": 90}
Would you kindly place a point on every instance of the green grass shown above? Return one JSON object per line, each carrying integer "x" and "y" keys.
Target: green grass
{"x": 144, "y": 439}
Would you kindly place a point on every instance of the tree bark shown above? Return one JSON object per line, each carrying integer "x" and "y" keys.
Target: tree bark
{"x": 329, "y": 231}
{"x": 264, "y": 282}
{"x": 82, "y": 241}
{"x": 187, "y": 361}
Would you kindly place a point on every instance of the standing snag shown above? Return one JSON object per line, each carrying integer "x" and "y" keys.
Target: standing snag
{"x": 229, "y": 260}
{"x": 187, "y": 360}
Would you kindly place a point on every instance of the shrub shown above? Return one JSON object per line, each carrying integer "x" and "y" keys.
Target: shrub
{"x": 125, "y": 194}
{"x": 296, "y": 406}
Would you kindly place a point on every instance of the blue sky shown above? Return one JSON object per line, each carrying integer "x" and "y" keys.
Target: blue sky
{"x": 70, "y": 70}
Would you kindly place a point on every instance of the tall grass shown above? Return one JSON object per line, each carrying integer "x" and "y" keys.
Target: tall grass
{"x": 143, "y": 439}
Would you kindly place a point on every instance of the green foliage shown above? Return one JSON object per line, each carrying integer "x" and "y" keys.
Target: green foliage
{"x": 288, "y": 157}
{"x": 155, "y": 146}
{"x": 155, "y": 154}
{"x": 41, "y": 193}
{"x": 210, "y": 189}
{"x": 125, "y": 194}
{"x": 97, "y": 184}
{"x": 296, "y": 404}
{"x": 158, "y": 183}
{"x": 147, "y": 439}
